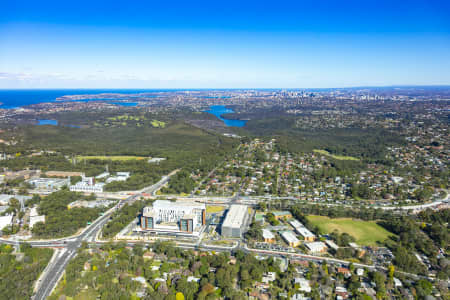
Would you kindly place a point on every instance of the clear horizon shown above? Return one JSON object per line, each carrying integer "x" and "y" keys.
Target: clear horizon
{"x": 243, "y": 88}
{"x": 237, "y": 45}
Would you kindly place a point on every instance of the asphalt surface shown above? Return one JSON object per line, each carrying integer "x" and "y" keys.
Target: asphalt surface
{"x": 56, "y": 268}
{"x": 69, "y": 246}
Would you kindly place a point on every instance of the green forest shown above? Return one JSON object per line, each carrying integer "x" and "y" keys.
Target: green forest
{"x": 20, "y": 270}
{"x": 61, "y": 221}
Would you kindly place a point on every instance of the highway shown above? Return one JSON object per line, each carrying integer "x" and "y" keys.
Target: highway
{"x": 56, "y": 268}
{"x": 70, "y": 245}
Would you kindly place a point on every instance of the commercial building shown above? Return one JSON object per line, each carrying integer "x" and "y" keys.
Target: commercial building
{"x": 302, "y": 230}
{"x": 282, "y": 214}
{"x": 268, "y": 236}
{"x": 316, "y": 247}
{"x": 235, "y": 221}
{"x": 290, "y": 238}
{"x": 62, "y": 174}
{"x": 120, "y": 176}
{"x": 87, "y": 185}
{"x": 4, "y": 198}
{"x": 49, "y": 184}
{"x": 36, "y": 219}
{"x": 5, "y": 221}
{"x": 172, "y": 217}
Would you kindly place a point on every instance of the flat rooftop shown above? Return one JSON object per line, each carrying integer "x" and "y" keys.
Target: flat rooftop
{"x": 235, "y": 216}
{"x": 171, "y": 204}
{"x": 289, "y": 237}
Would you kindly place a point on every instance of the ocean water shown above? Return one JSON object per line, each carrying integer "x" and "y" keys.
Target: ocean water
{"x": 47, "y": 122}
{"x": 219, "y": 110}
{"x": 19, "y": 98}
{"x": 125, "y": 103}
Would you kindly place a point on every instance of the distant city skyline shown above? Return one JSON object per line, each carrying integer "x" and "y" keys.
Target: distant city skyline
{"x": 287, "y": 44}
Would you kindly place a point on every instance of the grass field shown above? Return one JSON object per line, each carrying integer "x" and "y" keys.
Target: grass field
{"x": 338, "y": 157}
{"x": 117, "y": 157}
{"x": 365, "y": 232}
{"x": 213, "y": 209}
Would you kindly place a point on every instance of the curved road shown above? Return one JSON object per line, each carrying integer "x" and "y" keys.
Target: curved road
{"x": 56, "y": 267}
{"x": 70, "y": 245}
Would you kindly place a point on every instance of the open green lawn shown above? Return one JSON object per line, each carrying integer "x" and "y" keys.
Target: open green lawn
{"x": 116, "y": 157}
{"x": 365, "y": 232}
{"x": 211, "y": 209}
{"x": 338, "y": 157}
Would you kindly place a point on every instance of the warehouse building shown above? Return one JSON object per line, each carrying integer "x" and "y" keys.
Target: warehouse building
{"x": 235, "y": 221}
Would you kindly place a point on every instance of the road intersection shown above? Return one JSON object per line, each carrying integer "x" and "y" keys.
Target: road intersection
{"x": 67, "y": 247}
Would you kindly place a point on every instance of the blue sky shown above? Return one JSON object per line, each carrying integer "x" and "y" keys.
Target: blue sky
{"x": 223, "y": 44}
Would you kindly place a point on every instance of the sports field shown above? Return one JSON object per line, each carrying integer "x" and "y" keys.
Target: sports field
{"x": 366, "y": 233}
{"x": 338, "y": 157}
{"x": 118, "y": 157}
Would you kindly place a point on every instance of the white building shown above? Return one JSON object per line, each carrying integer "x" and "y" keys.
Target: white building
{"x": 87, "y": 185}
{"x": 120, "y": 176}
{"x": 397, "y": 282}
{"x": 235, "y": 220}
{"x": 302, "y": 230}
{"x": 269, "y": 277}
{"x": 290, "y": 238}
{"x": 163, "y": 214}
{"x": 49, "y": 184}
{"x": 5, "y": 221}
{"x": 4, "y": 198}
{"x": 268, "y": 236}
{"x": 299, "y": 297}
{"x": 303, "y": 283}
{"x": 102, "y": 175}
{"x": 36, "y": 219}
{"x": 156, "y": 160}
{"x": 316, "y": 247}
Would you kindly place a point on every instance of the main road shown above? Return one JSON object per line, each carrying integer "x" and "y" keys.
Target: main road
{"x": 69, "y": 246}
{"x": 56, "y": 267}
